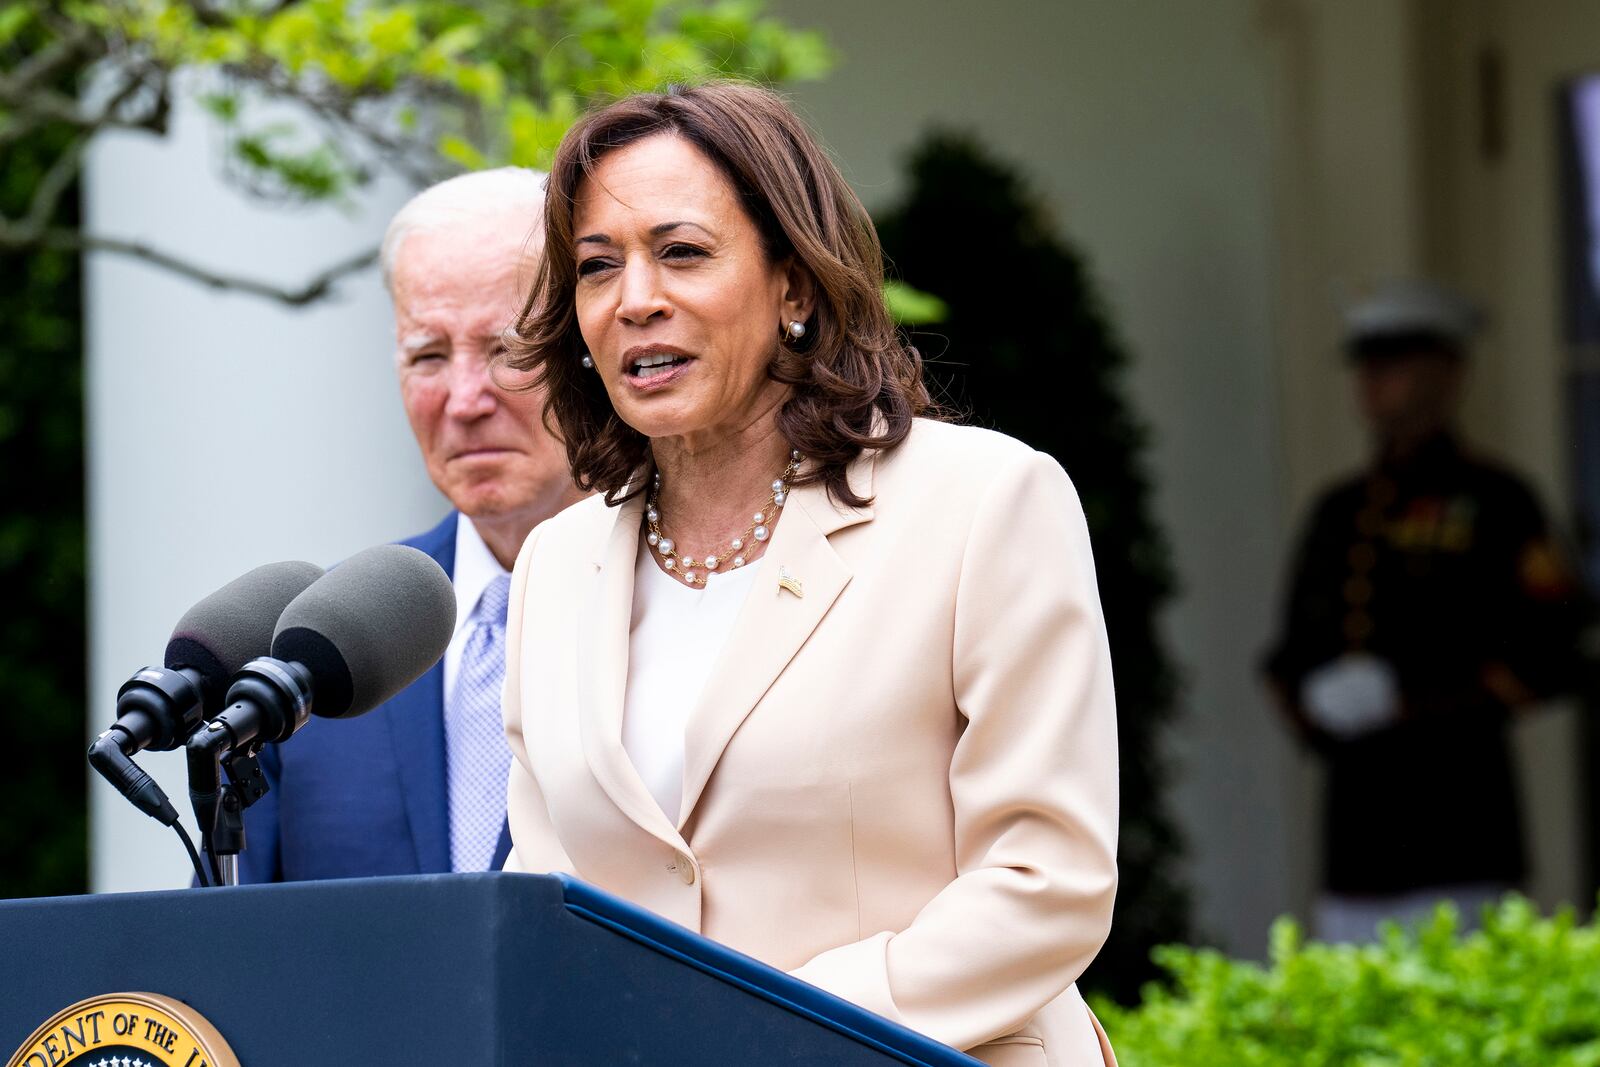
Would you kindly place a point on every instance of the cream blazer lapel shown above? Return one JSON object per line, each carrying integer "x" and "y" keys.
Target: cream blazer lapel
{"x": 774, "y": 622}
{"x": 603, "y": 676}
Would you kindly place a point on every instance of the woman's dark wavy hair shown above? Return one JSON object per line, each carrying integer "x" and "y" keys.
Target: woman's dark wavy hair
{"x": 856, "y": 383}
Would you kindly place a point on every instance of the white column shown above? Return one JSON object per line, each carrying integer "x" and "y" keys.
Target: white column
{"x": 223, "y": 431}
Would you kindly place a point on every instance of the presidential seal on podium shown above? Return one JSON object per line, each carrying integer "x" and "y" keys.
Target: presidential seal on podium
{"x": 125, "y": 1030}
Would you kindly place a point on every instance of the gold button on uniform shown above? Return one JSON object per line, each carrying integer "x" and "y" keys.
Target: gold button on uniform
{"x": 685, "y": 867}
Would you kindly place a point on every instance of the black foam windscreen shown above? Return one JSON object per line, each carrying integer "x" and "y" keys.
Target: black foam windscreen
{"x": 368, "y": 628}
{"x": 235, "y": 624}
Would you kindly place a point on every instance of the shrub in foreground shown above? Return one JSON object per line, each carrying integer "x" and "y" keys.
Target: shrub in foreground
{"x": 1523, "y": 991}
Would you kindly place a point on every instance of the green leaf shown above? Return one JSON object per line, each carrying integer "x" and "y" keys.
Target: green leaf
{"x": 913, "y": 307}
{"x": 461, "y": 151}
{"x": 456, "y": 40}
{"x": 224, "y": 106}
{"x": 13, "y": 19}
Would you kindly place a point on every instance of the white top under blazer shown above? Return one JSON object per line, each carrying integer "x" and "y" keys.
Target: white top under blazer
{"x": 673, "y": 642}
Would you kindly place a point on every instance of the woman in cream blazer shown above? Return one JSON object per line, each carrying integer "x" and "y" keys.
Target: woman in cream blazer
{"x": 900, "y": 780}
{"x": 900, "y": 785}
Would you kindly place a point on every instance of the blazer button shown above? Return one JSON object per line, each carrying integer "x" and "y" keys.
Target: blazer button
{"x": 685, "y": 868}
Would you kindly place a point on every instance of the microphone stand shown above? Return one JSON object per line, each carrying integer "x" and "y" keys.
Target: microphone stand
{"x": 219, "y": 806}
{"x": 268, "y": 700}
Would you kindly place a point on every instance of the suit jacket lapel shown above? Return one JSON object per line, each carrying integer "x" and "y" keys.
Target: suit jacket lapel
{"x": 773, "y": 624}
{"x": 603, "y": 675}
{"x": 502, "y": 847}
{"x": 416, "y": 723}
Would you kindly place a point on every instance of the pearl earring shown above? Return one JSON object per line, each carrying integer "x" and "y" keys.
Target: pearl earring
{"x": 796, "y": 330}
{"x": 587, "y": 361}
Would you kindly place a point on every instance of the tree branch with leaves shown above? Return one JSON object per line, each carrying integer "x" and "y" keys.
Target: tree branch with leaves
{"x": 418, "y": 88}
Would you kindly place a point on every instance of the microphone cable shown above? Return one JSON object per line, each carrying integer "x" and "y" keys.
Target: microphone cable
{"x": 194, "y": 856}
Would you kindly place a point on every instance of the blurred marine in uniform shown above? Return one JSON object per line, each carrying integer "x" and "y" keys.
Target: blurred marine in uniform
{"x": 1427, "y": 601}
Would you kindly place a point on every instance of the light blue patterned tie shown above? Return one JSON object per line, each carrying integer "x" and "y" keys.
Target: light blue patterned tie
{"x": 476, "y": 757}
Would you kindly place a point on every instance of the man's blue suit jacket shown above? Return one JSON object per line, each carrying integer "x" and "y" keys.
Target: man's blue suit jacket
{"x": 365, "y": 796}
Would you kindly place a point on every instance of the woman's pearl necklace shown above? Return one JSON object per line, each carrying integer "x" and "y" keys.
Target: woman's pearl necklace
{"x": 733, "y": 553}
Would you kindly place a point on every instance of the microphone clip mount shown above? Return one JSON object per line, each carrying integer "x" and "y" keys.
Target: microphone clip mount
{"x": 268, "y": 700}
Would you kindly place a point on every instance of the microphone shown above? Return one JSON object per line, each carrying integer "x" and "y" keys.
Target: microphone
{"x": 373, "y": 626}
{"x": 159, "y": 707}
{"x": 351, "y": 640}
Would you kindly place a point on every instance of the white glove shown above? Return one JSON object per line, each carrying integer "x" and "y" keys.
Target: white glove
{"x": 1352, "y": 695}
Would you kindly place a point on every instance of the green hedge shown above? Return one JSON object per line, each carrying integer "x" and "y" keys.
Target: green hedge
{"x": 1523, "y": 991}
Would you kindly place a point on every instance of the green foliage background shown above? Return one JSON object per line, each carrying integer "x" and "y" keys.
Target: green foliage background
{"x": 391, "y": 83}
{"x": 43, "y": 836}
{"x": 1026, "y": 347}
{"x": 1521, "y": 992}
{"x": 311, "y": 100}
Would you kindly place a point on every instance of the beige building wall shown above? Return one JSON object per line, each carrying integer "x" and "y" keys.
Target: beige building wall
{"x": 1495, "y": 71}
{"x": 1147, "y": 127}
{"x": 1419, "y": 137}
{"x": 1235, "y": 172}
{"x": 1345, "y": 211}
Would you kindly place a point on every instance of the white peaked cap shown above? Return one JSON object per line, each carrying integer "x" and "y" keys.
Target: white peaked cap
{"x": 1411, "y": 305}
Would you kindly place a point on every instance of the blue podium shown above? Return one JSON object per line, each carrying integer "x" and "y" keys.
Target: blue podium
{"x": 481, "y": 969}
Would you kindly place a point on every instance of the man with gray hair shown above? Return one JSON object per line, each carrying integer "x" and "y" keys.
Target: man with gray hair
{"x": 419, "y": 785}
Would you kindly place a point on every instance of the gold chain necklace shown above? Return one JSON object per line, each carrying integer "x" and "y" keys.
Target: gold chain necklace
{"x": 732, "y": 553}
